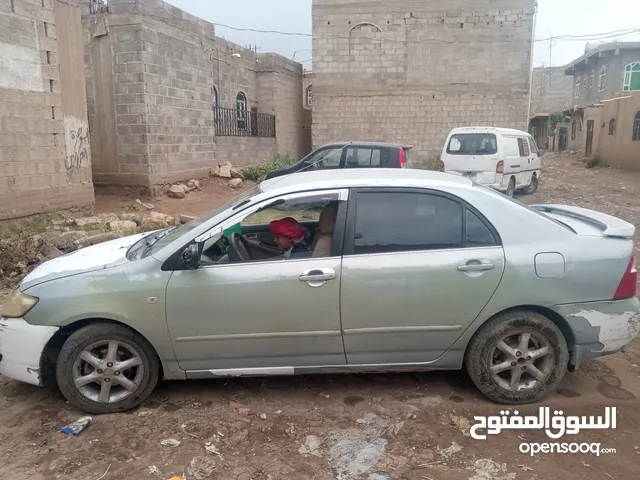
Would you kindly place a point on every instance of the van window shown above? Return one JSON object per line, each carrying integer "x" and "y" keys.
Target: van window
{"x": 473, "y": 144}
{"x": 523, "y": 146}
{"x": 532, "y": 144}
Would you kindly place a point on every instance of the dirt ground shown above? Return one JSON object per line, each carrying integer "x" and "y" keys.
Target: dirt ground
{"x": 372, "y": 427}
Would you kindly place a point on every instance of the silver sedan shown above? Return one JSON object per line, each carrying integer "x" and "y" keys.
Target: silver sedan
{"x": 332, "y": 272}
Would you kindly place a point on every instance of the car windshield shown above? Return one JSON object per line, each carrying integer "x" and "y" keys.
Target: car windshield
{"x": 239, "y": 200}
{"x": 473, "y": 144}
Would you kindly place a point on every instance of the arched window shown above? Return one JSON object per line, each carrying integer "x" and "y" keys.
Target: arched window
{"x": 309, "y": 96}
{"x": 636, "y": 128}
{"x": 215, "y": 98}
{"x": 632, "y": 77}
{"x": 241, "y": 110}
{"x": 603, "y": 78}
{"x": 573, "y": 130}
{"x": 612, "y": 126}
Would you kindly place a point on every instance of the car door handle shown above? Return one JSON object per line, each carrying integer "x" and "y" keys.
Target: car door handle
{"x": 482, "y": 267}
{"x": 252, "y": 236}
{"x": 318, "y": 275}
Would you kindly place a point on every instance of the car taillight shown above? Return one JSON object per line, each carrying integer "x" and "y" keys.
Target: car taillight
{"x": 403, "y": 159}
{"x": 442, "y": 166}
{"x": 627, "y": 287}
{"x": 500, "y": 167}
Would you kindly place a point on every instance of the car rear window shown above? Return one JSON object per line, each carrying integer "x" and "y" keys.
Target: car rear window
{"x": 473, "y": 144}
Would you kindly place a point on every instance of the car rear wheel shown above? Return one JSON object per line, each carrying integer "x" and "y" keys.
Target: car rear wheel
{"x": 533, "y": 186}
{"x": 518, "y": 357}
{"x": 106, "y": 368}
{"x": 511, "y": 189}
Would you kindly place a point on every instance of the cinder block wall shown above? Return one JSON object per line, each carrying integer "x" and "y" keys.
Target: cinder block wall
{"x": 45, "y": 158}
{"x": 551, "y": 90}
{"x": 409, "y": 71}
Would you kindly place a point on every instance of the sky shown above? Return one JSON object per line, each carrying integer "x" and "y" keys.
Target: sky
{"x": 555, "y": 18}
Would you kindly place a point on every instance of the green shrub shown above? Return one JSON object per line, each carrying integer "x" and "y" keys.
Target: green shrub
{"x": 431, "y": 163}
{"x": 596, "y": 162}
{"x": 256, "y": 173}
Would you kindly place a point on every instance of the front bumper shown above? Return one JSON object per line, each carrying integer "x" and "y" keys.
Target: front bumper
{"x": 21, "y": 347}
{"x": 601, "y": 328}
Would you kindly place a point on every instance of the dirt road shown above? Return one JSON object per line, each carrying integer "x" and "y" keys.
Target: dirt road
{"x": 372, "y": 427}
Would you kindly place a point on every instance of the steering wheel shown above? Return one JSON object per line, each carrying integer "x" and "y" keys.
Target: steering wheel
{"x": 240, "y": 248}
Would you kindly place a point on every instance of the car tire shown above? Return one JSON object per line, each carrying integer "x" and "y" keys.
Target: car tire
{"x": 499, "y": 363}
{"x": 533, "y": 186}
{"x": 128, "y": 386}
{"x": 511, "y": 189}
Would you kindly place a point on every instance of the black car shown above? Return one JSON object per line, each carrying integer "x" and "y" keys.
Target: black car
{"x": 350, "y": 155}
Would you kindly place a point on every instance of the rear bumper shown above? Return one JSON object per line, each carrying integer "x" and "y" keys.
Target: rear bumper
{"x": 601, "y": 328}
{"x": 21, "y": 347}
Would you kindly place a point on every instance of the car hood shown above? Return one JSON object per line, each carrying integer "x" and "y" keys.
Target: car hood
{"x": 97, "y": 257}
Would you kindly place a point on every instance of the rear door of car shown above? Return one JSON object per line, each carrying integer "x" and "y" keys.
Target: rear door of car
{"x": 474, "y": 155}
{"x": 418, "y": 267}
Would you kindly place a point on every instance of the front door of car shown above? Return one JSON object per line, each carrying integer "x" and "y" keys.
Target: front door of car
{"x": 263, "y": 316}
{"x": 419, "y": 266}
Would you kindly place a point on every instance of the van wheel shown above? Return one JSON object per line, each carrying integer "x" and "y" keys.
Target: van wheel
{"x": 533, "y": 186}
{"x": 511, "y": 189}
{"x": 518, "y": 357}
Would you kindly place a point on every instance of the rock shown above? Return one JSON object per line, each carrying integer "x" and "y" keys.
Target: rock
{"x": 193, "y": 185}
{"x": 178, "y": 191}
{"x": 224, "y": 171}
{"x": 87, "y": 222}
{"x": 161, "y": 217}
{"x": 186, "y": 218}
{"x": 201, "y": 468}
{"x": 64, "y": 240}
{"x": 49, "y": 251}
{"x": 143, "y": 206}
{"x": 108, "y": 217}
{"x": 235, "y": 173}
{"x": 311, "y": 446}
{"x": 123, "y": 225}
{"x": 96, "y": 239}
{"x": 235, "y": 183}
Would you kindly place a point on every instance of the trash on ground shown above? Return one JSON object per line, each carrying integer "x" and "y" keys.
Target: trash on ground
{"x": 209, "y": 447}
{"x": 170, "y": 442}
{"x": 201, "y": 468}
{"x": 291, "y": 429}
{"x": 263, "y": 416}
{"x": 77, "y": 427}
{"x": 325, "y": 395}
{"x": 176, "y": 478}
{"x": 278, "y": 412}
{"x": 153, "y": 470}
{"x": 524, "y": 468}
{"x": 311, "y": 446}
{"x": 145, "y": 414}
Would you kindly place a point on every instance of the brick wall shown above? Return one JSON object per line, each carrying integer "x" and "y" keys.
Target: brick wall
{"x": 45, "y": 159}
{"x": 169, "y": 69}
{"x": 551, "y": 90}
{"x": 409, "y": 71}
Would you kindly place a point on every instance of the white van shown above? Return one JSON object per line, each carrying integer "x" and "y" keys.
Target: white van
{"x": 504, "y": 159}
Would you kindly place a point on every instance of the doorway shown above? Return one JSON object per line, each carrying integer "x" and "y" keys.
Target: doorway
{"x": 563, "y": 135}
{"x": 589, "y": 147}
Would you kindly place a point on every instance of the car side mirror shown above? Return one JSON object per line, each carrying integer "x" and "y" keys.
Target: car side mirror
{"x": 191, "y": 256}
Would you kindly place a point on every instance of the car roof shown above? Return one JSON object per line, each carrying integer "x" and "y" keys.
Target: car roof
{"x": 361, "y": 177}
{"x": 367, "y": 144}
{"x": 503, "y": 131}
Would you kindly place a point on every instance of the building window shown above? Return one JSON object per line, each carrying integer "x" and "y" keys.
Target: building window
{"x": 592, "y": 80}
{"x": 636, "y": 128}
{"x": 573, "y": 130}
{"x": 577, "y": 92}
{"x": 241, "y": 108}
{"x": 632, "y": 77}
{"x": 612, "y": 126}
{"x": 215, "y": 98}
{"x": 603, "y": 78}
{"x": 309, "y": 96}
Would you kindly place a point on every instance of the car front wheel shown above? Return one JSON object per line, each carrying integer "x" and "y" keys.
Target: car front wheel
{"x": 106, "y": 368}
{"x": 518, "y": 357}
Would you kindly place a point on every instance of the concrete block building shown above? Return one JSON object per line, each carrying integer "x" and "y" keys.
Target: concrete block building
{"x": 408, "y": 71}
{"x": 168, "y": 99}
{"x": 45, "y": 158}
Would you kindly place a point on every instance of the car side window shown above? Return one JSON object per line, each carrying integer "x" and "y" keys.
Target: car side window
{"x": 404, "y": 221}
{"x": 366, "y": 157}
{"x": 326, "y": 159}
{"x": 533, "y": 146}
{"x": 523, "y": 146}
{"x": 477, "y": 233}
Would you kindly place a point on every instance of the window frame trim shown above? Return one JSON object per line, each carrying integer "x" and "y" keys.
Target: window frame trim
{"x": 348, "y": 244}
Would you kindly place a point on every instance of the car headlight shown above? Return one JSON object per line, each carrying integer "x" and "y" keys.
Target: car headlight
{"x": 18, "y": 305}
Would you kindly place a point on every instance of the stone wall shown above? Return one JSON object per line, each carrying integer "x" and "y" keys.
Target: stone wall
{"x": 169, "y": 71}
{"x": 551, "y": 90}
{"x": 409, "y": 71}
{"x": 45, "y": 159}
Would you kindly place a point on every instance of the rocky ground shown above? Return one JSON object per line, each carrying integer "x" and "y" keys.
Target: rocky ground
{"x": 371, "y": 427}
